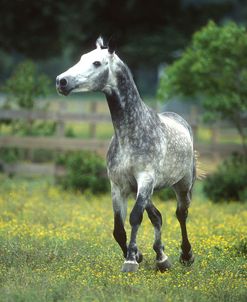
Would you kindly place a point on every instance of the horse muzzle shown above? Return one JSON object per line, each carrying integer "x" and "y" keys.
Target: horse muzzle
{"x": 64, "y": 85}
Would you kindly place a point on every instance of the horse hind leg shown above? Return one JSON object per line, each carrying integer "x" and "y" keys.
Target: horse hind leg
{"x": 155, "y": 217}
{"x": 183, "y": 193}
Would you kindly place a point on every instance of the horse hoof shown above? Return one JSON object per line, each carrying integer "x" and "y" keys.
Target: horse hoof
{"x": 164, "y": 265}
{"x": 139, "y": 257}
{"x": 187, "y": 261}
{"x": 130, "y": 267}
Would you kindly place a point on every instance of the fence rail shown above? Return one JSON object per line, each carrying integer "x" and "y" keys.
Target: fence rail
{"x": 64, "y": 144}
{"x": 54, "y": 116}
{"x": 54, "y": 143}
{"x": 59, "y": 142}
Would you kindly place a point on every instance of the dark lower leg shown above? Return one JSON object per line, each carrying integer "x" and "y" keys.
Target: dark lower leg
{"x": 133, "y": 255}
{"x": 154, "y": 215}
{"x": 135, "y": 221}
{"x": 119, "y": 233}
{"x": 156, "y": 220}
{"x": 182, "y": 213}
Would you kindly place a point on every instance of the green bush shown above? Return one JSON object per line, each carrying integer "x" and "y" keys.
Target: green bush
{"x": 84, "y": 171}
{"x": 165, "y": 194}
{"x": 43, "y": 155}
{"x": 33, "y": 128}
{"x": 69, "y": 132}
{"x": 229, "y": 182}
{"x": 41, "y": 128}
{"x": 11, "y": 155}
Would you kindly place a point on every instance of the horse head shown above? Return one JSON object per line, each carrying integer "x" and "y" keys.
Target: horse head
{"x": 91, "y": 73}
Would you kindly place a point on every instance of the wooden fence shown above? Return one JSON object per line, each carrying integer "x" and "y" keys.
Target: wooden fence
{"x": 61, "y": 143}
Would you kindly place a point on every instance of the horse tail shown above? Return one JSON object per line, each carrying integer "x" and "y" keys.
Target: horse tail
{"x": 198, "y": 172}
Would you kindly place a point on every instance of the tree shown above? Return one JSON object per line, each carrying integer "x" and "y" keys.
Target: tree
{"x": 25, "y": 85}
{"x": 31, "y": 28}
{"x": 148, "y": 32}
{"x": 213, "y": 66}
{"x": 23, "y": 88}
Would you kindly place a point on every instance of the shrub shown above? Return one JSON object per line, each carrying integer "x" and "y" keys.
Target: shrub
{"x": 41, "y": 128}
{"x": 229, "y": 181}
{"x": 84, "y": 171}
{"x": 42, "y": 155}
{"x": 69, "y": 132}
{"x": 11, "y": 155}
{"x": 33, "y": 128}
{"x": 165, "y": 194}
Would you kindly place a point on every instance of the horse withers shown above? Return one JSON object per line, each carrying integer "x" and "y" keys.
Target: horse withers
{"x": 148, "y": 151}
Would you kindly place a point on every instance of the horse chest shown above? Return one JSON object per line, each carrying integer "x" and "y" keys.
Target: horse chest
{"x": 120, "y": 166}
{"x": 125, "y": 162}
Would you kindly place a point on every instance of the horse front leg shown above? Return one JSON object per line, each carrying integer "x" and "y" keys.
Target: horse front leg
{"x": 154, "y": 215}
{"x": 119, "y": 203}
{"x": 144, "y": 191}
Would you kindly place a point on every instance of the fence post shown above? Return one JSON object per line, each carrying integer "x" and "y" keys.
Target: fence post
{"x": 60, "y": 126}
{"x": 92, "y": 126}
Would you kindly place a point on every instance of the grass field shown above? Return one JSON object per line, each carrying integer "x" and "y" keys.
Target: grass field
{"x": 58, "y": 246}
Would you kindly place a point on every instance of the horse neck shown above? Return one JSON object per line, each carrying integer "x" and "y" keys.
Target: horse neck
{"x": 128, "y": 111}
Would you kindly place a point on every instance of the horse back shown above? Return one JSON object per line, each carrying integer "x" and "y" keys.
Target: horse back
{"x": 174, "y": 116}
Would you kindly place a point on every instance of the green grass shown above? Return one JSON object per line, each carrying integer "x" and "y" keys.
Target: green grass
{"x": 58, "y": 246}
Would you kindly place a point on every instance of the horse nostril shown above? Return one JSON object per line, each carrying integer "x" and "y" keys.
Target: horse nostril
{"x": 63, "y": 82}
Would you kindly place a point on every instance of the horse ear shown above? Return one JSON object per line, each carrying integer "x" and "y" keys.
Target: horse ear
{"x": 111, "y": 45}
{"x": 99, "y": 42}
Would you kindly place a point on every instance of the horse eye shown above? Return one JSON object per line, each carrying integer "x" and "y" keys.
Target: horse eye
{"x": 96, "y": 63}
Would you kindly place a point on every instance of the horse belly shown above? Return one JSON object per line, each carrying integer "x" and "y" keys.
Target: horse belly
{"x": 176, "y": 167}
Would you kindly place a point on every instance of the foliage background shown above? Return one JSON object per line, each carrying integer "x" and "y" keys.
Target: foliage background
{"x": 54, "y": 33}
{"x": 213, "y": 68}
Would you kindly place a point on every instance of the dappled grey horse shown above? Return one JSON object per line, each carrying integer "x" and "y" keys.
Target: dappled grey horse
{"x": 148, "y": 151}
